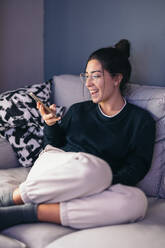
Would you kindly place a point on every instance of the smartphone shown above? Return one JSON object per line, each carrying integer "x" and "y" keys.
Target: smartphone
{"x": 38, "y": 100}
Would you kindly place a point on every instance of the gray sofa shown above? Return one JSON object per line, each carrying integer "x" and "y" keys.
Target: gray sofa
{"x": 149, "y": 233}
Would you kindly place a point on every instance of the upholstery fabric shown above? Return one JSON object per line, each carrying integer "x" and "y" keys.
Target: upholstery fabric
{"x": 37, "y": 235}
{"x": 75, "y": 90}
{"x": 11, "y": 178}
{"x": 20, "y": 121}
{"x": 18, "y": 109}
{"x": 7, "y": 242}
{"x": 8, "y": 156}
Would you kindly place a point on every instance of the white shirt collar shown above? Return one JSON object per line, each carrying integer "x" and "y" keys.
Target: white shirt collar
{"x": 111, "y": 116}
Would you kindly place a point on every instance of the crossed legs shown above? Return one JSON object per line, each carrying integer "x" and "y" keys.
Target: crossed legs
{"x": 80, "y": 195}
{"x": 117, "y": 205}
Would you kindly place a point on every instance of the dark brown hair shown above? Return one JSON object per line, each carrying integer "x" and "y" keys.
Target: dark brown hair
{"x": 115, "y": 60}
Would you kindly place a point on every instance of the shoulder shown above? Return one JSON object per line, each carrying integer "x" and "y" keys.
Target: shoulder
{"x": 80, "y": 106}
{"x": 140, "y": 114}
{"x": 77, "y": 109}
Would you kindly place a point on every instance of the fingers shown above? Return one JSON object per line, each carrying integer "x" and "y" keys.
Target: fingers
{"x": 49, "y": 118}
{"x": 53, "y": 108}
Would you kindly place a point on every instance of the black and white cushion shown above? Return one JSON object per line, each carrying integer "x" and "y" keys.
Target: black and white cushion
{"x": 21, "y": 123}
{"x": 18, "y": 109}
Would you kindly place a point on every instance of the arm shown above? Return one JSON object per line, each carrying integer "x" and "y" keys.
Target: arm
{"x": 52, "y": 131}
{"x": 55, "y": 133}
{"x": 138, "y": 162}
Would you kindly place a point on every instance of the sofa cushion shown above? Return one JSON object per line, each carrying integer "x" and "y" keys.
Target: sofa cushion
{"x": 37, "y": 235}
{"x": 7, "y": 242}
{"x": 11, "y": 178}
{"x": 162, "y": 183}
{"x": 69, "y": 89}
{"x": 148, "y": 233}
{"x": 18, "y": 109}
{"x": 7, "y": 155}
{"x": 21, "y": 123}
{"x": 153, "y": 99}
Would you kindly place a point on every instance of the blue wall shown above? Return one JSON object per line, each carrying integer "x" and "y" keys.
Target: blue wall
{"x": 75, "y": 28}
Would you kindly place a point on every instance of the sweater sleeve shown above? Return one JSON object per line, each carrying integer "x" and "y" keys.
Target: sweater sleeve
{"x": 139, "y": 161}
{"x": 55, "y": 135}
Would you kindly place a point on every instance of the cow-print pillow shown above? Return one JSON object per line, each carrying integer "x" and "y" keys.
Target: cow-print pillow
{"x": 18, "y": 109}
{"x": 21, "y": 123}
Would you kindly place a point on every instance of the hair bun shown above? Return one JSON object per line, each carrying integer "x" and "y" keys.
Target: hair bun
{"x": 123, "y": 46}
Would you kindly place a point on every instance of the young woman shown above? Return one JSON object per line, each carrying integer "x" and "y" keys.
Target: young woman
{"x": 93, "y": 157}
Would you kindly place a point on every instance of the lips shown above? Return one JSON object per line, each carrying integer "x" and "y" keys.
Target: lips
{"x": 93, "y": 92}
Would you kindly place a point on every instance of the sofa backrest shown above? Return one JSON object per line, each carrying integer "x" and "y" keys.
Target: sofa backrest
{"x": 69, "y": 89}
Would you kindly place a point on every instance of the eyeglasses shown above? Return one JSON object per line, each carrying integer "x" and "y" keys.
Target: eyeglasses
{"x": 94, "y": 76}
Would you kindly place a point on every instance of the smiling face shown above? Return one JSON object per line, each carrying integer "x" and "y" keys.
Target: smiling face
{"x": 101, "y": 85}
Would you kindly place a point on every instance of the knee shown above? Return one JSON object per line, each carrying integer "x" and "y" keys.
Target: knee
{"x": 131, "y": 202}
{"x": 141, "y": 203}
{"x": 134, "y": 204}
{"x": 93, "y": 170}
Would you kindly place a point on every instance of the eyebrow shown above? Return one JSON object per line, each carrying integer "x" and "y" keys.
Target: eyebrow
{"x": 94, "y": 71}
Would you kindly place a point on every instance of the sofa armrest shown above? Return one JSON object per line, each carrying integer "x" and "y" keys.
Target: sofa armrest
{"x": 7, "y": 155}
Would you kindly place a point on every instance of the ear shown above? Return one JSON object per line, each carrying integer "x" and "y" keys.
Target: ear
{"x": 118, "y": 78}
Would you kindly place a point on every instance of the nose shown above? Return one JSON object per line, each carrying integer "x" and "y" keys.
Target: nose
{"x": 89, "y": 82}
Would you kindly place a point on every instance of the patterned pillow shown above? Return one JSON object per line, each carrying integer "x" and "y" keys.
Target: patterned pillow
{"x": 18, "y": 109}
{"x": 21, "y": 123}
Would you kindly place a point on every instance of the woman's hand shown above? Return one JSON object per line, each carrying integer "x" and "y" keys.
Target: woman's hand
{"x": 49, "y": 118}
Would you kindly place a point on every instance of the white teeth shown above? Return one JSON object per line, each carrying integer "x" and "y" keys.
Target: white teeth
{"x": 93, "y": 91}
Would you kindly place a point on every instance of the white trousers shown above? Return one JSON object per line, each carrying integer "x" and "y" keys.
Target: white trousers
{"x": 81, "y": 183}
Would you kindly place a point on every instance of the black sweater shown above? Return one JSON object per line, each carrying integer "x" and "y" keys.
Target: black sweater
{"x": 125, "y": 141}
